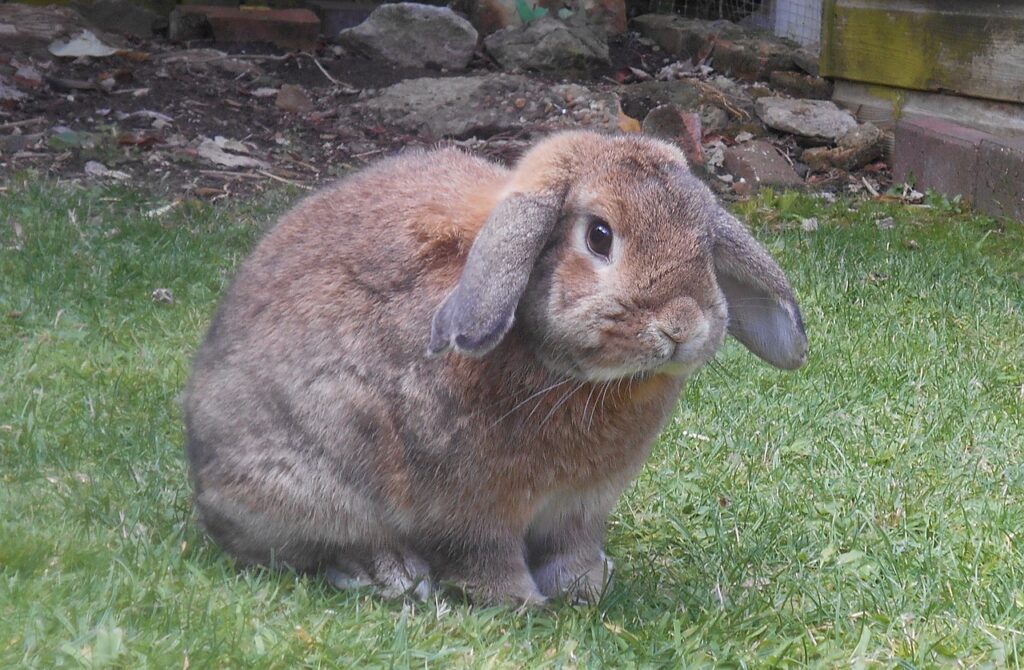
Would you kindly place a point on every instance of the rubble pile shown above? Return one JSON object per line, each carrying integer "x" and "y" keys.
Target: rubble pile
{"x": 213, "y": 103}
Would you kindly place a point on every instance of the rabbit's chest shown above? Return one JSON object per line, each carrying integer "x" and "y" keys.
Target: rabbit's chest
{"x": 601, "y": 432}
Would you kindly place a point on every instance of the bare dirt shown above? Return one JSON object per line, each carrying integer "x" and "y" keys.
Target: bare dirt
{"x": 142, "y": 115}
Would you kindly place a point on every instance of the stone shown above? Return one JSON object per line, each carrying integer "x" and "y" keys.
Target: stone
{"x": 10, "y": 96}
{"x": 808, "y": 61}
{"x": 737, "y": 51}
{"x": 683, "y": 129}
{"x": 548, "y": 45}
{"x": 485, "y": 105}
{"x": 293, "y": 98}
{"x": 758, "y": 163}
{"x": 753, "y": 58}
{"x": 815, "y": 119}
{"x": 800, "y": 85}
{"x": 712, "y": 118}
{"x": 938, "y": 154}
{"x": 28, "y": 76}
{"x": 25, "y": 29}
{"x": 856, "y": 149}
{"x": 184, "y": 25}
{"x": 414, "y": 35}
{"x": 119, "y": 16}
{"x": 685, "y": 38}
{"x": 639, "y": 99}
{"x": 84, "y": 44}
{"x": 999, "y": 179}
{"x": 490, "y": 16}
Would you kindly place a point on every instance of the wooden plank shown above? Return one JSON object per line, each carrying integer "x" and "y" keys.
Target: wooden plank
{"x": 970, "y": 48}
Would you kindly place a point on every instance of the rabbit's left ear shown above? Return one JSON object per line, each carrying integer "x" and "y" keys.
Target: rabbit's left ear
{"x": 763, "y": 312}
{"x": 477, "y": 314}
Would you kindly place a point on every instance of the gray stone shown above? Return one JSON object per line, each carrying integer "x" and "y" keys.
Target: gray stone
{"x": 856, "y": 149}
{"x": 759, "y": 163}
{"x": 754, "y": 57}
{"x": 747, "y": 53}
{"x": 548, "y": 44}
{"x": 815, "y": 119}
{"x": 119, "y": 16}
{"x": 28, "y": 29}
{"x": 713, "y": 119}
{"x": 639, "y": 99}
{"x": 414, "y": 35}
{"x": 485, "y": 105}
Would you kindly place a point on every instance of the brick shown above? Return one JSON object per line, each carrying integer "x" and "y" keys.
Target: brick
{"x": 939, "y": 154}
{"x": 999, "y": 178}
{"x": 297, "y": 29}
{"x": 759, "y": 164}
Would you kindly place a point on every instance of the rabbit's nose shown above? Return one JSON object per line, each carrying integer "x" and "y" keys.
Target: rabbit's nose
{"x": 673, "y": 332}
{"x": 684, "y": 340}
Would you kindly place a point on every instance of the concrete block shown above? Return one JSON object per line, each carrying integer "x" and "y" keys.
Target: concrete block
{"x": 1000, "y": 178}
{"x": 938, "y": 154}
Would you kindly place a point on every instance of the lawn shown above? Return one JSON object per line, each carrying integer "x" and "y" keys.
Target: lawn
{"x": 866, "y": 510}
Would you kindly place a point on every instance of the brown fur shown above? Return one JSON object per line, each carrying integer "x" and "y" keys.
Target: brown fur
{"x": 322, "y": 436}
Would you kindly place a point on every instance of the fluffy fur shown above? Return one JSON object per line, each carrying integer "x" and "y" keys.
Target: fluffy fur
{"x": 422, "y": 373}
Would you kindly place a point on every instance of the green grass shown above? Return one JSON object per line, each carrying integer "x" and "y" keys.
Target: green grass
{"x": 866, "y": 510}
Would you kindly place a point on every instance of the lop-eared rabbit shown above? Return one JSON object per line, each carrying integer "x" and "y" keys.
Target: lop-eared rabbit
{"x": 440, "y": 370}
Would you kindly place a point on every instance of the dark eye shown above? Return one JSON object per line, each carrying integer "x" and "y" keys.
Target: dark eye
{"x": 599, "y": 238}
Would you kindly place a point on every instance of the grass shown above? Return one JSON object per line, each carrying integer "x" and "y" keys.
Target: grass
{"x": 866, "y": 510}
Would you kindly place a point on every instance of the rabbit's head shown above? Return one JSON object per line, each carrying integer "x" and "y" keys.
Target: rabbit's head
{"x": 617, "y": 261}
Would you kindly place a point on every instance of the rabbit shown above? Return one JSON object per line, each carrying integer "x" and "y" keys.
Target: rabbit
{"x": 443, "y": 371}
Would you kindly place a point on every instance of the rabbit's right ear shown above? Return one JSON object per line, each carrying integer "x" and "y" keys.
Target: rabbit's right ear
{"x": 477, "y": 314}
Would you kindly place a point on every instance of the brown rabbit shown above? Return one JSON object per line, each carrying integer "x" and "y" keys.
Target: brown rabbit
{"x": 440, "y": 369}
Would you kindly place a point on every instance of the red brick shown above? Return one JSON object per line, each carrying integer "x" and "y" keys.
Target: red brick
{"x": 1000, "y": 178}
{"x": 287, "y": 28}
{"x": 938, "y": 154}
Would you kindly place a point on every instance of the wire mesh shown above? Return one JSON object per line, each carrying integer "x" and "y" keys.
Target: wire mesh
{"x": 797, "y": 19}
{"x": 731, "y": 10}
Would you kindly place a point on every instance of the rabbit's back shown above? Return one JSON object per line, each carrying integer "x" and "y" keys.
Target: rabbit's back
{"x": 316, "y": 354}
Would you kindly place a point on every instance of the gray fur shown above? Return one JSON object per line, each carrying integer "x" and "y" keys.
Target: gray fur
{"x": 480, "y": 310}
{"x": 763, "y": 312}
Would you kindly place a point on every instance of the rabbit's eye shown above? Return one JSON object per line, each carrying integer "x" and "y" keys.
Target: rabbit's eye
{"x": 599, "y": 238}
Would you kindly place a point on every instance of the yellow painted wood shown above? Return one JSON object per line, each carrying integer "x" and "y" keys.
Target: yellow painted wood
{"x": 970, "y": 48}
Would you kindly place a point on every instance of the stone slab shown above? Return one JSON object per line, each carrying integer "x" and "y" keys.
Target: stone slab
{"x": 938, "y": 155}
{"x": 999, "y": 189}
{"x": 759, "y": 164}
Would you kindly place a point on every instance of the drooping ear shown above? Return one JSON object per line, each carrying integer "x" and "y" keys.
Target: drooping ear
{"x": 478, "y": 313}
{"x": 763, "y": 312}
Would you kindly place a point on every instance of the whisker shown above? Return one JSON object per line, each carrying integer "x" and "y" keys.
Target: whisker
{"x": 561, "y": 401}
{"x": 528, "y": 399}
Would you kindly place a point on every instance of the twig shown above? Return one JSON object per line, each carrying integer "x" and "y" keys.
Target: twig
{"x": 871, "y": 189}
{"x": 25, "y": 122}
{"x": 347, "y": 88}
{"x": 368, "y": 153}
{"x": 283, "y": 180}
